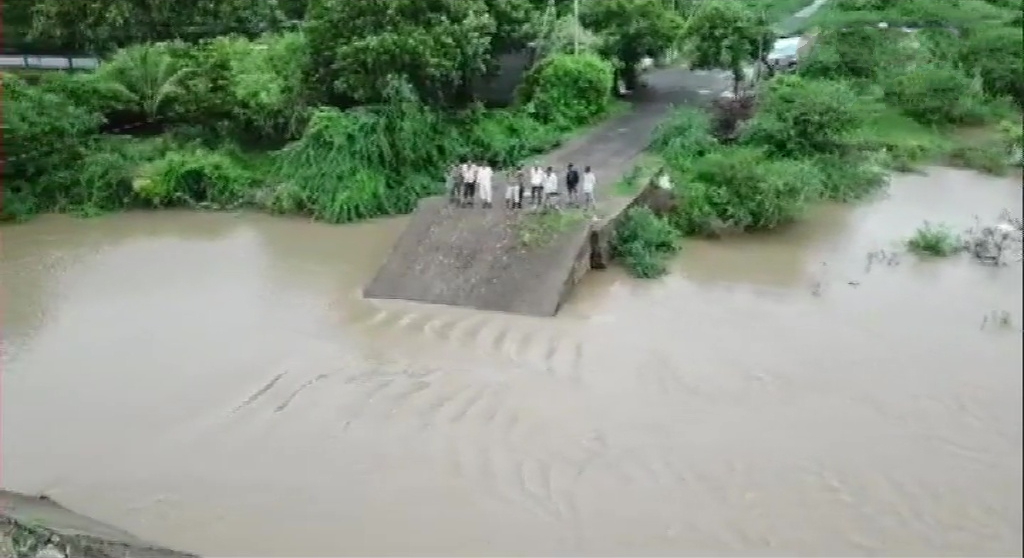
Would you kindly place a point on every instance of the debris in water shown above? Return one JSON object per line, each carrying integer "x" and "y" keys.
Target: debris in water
{"x": 998, "y": 244}
{"x": 1000, "y": 319}
{"x": 882, "y": 257}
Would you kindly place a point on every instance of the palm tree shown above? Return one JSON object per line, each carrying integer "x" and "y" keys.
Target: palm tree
{"x": 146, "y": 76}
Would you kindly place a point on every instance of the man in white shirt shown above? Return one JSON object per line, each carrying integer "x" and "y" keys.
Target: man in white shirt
{"x": 589, "y": 184}
{"x": 551, "y": 188}
{"x": 536, "y": 185}
{"x": 485, "y": 184}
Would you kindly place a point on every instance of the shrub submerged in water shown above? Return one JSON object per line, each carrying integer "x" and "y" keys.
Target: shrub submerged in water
{"x": 935, "y": 240}
{"x": 743, "y": 189}
{"x": 644, "y": 242}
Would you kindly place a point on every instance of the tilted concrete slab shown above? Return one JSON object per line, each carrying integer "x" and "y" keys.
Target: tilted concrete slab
{"x": 474, "y": 258}
{"x": 70, "y": 534}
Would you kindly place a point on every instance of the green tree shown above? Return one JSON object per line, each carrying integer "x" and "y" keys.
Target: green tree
{"x": 147, "y": 77}
{"x": 633, "y": 29}
{"x": 438, "y": 46}
{"x": 725, "y": 34}
{"x": 100, "y": 25}
{"x": 996, "y": 54}
{"x": 515, "y": 23}
{"x": 569, "y": 89}
{"x": 17, "y": 22}
{"x": 294, "y": 9}
{"x": 266, "y": 85}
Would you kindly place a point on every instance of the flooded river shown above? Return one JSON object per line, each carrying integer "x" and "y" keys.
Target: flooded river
{"x": 215, "y": 383}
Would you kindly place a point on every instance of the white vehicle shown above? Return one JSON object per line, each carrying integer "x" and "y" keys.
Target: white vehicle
{"x": 785, "y": 53}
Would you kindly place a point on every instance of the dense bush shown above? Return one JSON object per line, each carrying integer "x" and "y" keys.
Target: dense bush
{"x": 851, "y": 177}
{"x": 744, "y": 189}
{"x": 801, "y": 117}
{"x": 569, "y": 89}
{"x": 937, "y": 94}
{"x": 859, "y": 53}
{"x": 684, "y": 135}
{"x": 643, "y": 242}
{"x": 504, "y": 137}
{"x": 958, "y": 14}
{"x": 995, "y": 53}
{"x": 45, "y": 137}
{"x": 196, "y": 177}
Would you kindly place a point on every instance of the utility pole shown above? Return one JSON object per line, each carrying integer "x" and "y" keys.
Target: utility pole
{"x": 576, "y": 27}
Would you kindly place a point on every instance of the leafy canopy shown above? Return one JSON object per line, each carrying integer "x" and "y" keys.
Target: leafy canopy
{"x": 435, "y": 45}
{"x": 726, "y": 34}
{"x": 633, "y": 29}
{"x": 100, "y": 25}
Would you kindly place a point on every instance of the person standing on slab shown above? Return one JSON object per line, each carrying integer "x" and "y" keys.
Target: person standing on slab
{"x": 485, "y": 184}
{"x": 572, "y": 184}
{"x": 551, "y": 188}
{"x": 454, "y": 183}
{"x": 536, "y": 185}
{"x": 589, "y": 185}
{"x": 514, "y": 189}
{"x": 468, "y": 183}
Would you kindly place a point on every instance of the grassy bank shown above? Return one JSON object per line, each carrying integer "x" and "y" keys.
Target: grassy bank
{"x": 228, "y": 124}
{"x": 867, "y": 101}
{"x": 321, "y": 119}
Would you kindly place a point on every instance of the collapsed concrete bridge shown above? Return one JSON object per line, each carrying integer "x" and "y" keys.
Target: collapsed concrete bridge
{"x": 474, "y": 258}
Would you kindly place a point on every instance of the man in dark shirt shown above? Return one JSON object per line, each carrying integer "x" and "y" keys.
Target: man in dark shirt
{"x": 572, "y": 184}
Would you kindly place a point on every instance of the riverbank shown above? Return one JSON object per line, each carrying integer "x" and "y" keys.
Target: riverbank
{"x": 898, "y": 101}
{"x": 41, "y": 528}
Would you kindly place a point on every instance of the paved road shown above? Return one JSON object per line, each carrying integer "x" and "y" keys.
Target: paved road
{"x": 798, "y": 21}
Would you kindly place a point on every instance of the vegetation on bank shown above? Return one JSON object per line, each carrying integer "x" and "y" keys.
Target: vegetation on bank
{"x": 869, "y": 99}
{"x": 329, "y": 108}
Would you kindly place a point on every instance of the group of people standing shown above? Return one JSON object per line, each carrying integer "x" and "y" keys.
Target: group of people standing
{"x": 542, "y": 187}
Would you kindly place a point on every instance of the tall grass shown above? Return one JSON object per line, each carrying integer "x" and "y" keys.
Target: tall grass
{"x": 364, "y": 163}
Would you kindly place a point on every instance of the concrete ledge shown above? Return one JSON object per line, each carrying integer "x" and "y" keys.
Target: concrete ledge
{"x": 39, "y": 527}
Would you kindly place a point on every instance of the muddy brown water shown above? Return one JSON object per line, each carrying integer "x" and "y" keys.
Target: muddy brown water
{"x": 214, "y": 383}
